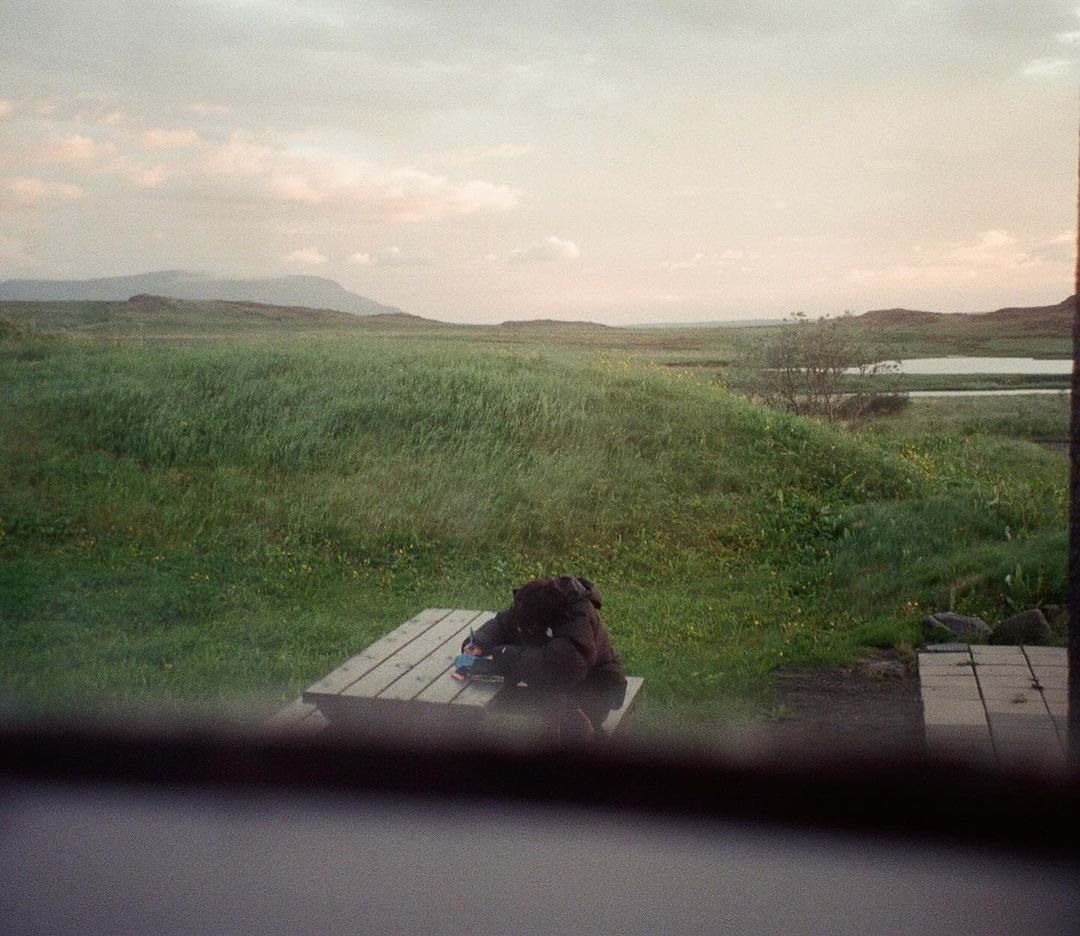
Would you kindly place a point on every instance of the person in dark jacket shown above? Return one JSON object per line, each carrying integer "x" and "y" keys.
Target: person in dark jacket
{"x": 552, "y": 639}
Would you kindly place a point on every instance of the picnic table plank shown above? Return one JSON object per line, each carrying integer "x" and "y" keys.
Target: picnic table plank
{"x": 410, "y": 655}
{"x": 437, "y": 665}
{"x": 450, "y": 692}
{"x": 477, "y": 694}
{"x": 474, "y": 693}
{"x": 364, "y": 662}
{"x": 298, "y": 714}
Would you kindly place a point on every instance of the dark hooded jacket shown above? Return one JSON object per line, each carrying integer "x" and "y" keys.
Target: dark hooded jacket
{"x": 573, "y": 652}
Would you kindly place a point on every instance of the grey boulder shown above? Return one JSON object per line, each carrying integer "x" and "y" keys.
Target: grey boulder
{"x": 1027, "y": 627}
{"x": 946, "y": 623}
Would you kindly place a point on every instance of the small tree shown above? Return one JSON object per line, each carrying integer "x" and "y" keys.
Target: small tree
{"x": 808, "y": 364}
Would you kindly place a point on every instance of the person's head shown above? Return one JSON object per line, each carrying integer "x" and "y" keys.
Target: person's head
{"x": 537, "y": 605}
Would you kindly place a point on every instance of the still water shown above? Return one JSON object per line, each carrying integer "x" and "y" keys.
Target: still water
{"x": 952, "y": 393}
{"x": 983, "y": 365}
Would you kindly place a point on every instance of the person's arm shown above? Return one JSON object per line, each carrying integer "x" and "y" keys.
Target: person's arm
{"x": 491, "y": 634}
{"x": 564, "y": 660}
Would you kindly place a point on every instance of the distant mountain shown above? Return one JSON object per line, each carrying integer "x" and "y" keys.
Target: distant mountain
{"x": 1050, "y": 320}
{"x": 551, "y": 323}
{"x": 311, "y": 292}
{"x": 898, "y": 317}
{"x": 1059, "y": 316}
{"x": 715, "y": 323}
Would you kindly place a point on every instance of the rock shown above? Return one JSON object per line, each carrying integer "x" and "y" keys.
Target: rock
{"x": 885, "y": 669}
{"x": 1027, "y": 627}
{"x": 951, "y": 625}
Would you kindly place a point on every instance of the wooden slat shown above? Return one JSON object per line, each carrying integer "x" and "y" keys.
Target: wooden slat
{"x": 365, "y": 661}
{"x": 395, "y": 718}
{"x": 443, "y": 690}
{"x": 477, "y": 694}
{"x": 436, "y": 665}
{"x": 293, "y": 713}
{"x": 410, "y": 655}
{"x": 298, "y": 715}
{"x": 446, "y": 691}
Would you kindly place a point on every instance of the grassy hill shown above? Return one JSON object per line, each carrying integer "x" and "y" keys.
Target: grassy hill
{"x": 226, "y": 521}
{"x": 1041, "y": 331}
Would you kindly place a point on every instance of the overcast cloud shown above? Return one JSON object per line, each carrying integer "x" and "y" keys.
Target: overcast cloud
{"x": 615, "y": 161}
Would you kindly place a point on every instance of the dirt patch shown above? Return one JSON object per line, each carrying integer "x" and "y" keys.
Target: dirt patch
{"x": 874, "y": 707}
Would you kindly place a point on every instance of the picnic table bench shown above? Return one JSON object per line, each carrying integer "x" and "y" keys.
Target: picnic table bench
{"x": 403, "y": 679}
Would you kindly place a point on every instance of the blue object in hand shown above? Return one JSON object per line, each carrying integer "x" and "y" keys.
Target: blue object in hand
{"x": 464, "y": 663}
{"x": 467, "y": 666}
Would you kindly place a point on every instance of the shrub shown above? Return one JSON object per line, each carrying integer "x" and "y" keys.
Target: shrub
{"x": 807, "y": 364}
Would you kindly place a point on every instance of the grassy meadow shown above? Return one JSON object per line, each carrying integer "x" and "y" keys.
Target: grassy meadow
{"x": 203, "y": 516}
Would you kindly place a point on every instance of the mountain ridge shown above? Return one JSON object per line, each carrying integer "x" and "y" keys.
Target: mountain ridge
{"x": 298, "y": 291}
{"x": 1058, "y": 315}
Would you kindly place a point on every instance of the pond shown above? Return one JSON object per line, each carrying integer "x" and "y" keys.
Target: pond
{"x": 959, "y": 393}
{"x": 980, "y": 365}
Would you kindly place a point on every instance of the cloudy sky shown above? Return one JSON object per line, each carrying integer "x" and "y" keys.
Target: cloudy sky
{"x": 616, "y": 161}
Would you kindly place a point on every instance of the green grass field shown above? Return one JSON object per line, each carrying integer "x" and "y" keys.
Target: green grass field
{"x": 219, "y": 521}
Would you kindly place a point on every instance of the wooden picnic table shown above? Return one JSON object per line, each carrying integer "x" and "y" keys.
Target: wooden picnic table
{"x": 412, "y": 665}
{"x": 404, "y": 679}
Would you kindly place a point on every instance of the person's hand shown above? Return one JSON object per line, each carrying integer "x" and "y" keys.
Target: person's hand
{"x": 466, "y": 664}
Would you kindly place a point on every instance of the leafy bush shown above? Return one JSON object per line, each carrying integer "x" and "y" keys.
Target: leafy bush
{"x": 806, "y": 367}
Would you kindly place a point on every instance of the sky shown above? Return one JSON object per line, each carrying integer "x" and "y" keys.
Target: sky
{"x": 622, "y": 162}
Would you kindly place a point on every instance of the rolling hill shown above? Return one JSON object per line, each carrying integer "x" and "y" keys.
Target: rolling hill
{"x": 1049, "y": 320}
{"x": 147, "y": 316}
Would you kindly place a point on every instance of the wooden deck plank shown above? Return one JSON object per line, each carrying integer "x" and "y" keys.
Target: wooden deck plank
{"x": 436, "y": 665}
{"x": 364, "y": 662}
{"x": 409, "y": 655}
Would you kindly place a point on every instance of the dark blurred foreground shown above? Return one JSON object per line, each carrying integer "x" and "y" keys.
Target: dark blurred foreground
{"x": 110, "y": 829}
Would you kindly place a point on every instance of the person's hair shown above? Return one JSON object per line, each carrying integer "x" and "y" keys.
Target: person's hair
{"x": 537, "y": 605}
